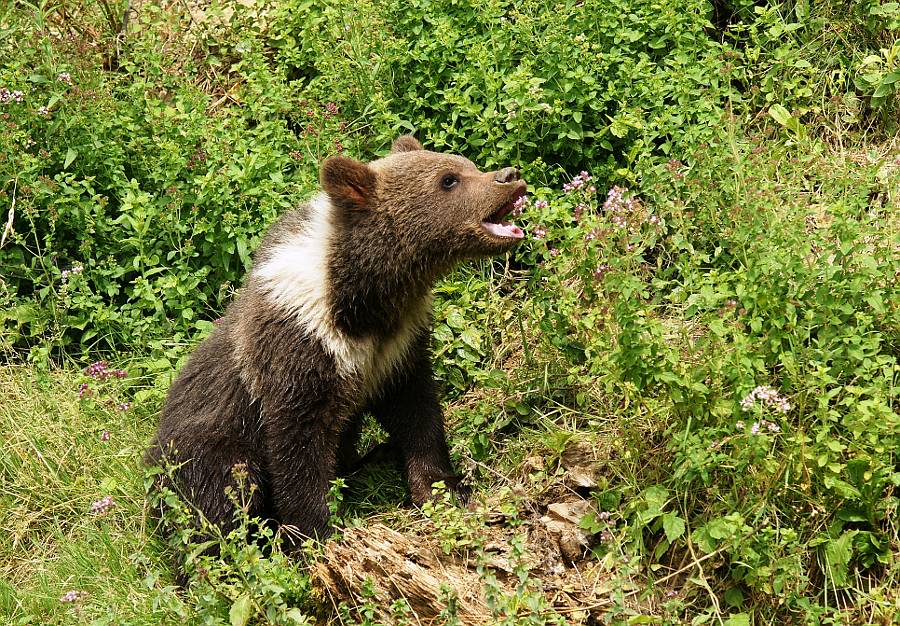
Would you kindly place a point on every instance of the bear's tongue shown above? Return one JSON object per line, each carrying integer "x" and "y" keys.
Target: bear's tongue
{"x": 503, "y": 229}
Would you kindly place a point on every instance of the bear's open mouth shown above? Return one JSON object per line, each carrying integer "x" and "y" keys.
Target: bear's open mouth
{"x": 494, "y": 223}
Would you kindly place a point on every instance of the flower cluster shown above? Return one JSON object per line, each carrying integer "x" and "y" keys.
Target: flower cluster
{"x": 541, "y": 204}
{"x": 7, "y": 96}
{"x": 772, "y": 427}
{"x": 606, "y": 536}
{"x": 72, "y": 271}
{"x": 84, "y": 390}
{"x": 626, "y": 212}
{"x": 579, "y": 182}
{"x": 539, "y": 232}
{"x": 73, "y": 596}
{"x": 104, "y": 436}
{"x": 675, "y": 168}
{"x": 767, "y": 397}
{"x": 601, "y": 272}
{"x": 520, "y": 205}
{"x": 102, "y": 507}
{"x": 123, "y": 406}
{"x": 64, "y": 77}
{"x": 100, "y": 371}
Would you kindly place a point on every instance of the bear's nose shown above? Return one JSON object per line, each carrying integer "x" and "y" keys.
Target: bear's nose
{"x": 507, "y": 175}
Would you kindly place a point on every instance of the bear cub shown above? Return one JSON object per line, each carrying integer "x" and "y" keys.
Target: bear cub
{"x": 333, "y": 322}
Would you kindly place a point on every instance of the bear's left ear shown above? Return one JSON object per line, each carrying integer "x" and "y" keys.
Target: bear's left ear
{"x": 348, "y": 183}
{"x": 405, "y": 143}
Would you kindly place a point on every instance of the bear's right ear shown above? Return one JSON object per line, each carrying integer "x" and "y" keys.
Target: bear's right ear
{"x": 348, "y": 183}
{"x": 405, "y": 143}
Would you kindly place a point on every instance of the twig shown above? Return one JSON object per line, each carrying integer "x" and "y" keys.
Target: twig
{"x": 12, "y": 213}
{"x": 685, "y": 568}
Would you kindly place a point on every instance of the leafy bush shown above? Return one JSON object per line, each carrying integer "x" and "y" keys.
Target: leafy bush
{"x": 770, "y": 331}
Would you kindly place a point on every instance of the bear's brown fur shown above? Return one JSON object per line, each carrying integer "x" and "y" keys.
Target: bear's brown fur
{"x": 333, "y": 322}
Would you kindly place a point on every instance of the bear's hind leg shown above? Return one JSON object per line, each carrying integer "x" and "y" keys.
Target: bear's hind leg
{"x": 217, "y": 479}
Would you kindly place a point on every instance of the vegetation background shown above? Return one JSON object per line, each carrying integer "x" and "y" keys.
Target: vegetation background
{"x": 708, "y": 295}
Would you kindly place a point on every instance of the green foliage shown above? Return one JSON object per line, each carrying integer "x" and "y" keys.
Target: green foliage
{"x": 238, "y": 578}
{"x": 722, "y": 287}
{"x": 724, "y": 291}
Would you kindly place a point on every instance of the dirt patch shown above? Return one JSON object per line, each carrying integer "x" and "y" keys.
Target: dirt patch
{"x": 372, "y": 568}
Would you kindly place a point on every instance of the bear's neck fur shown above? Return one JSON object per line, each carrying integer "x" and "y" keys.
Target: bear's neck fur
{"x": 378, "y": 277}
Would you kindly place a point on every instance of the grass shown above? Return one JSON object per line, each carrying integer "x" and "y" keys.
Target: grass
{"x": 778, "y": 265}
{"x": 55, "y": 464}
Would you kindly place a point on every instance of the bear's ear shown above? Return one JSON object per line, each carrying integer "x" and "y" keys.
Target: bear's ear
{"x": 405, "y": 143}
{"x": 348, "y": 183}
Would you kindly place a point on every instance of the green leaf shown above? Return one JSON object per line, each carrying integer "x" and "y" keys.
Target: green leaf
{"x": 734, "y": 597}
{"x": 780, "y": 114}
{"x": 738, "y": 619}
{"x": 673, "y": 526}
{"x": 240, "y": 611}
{"x": 884, "y": 89}
{"x": 837, "y": 557}
{"x": 242, "y": 252}
{"x": 297, "y": 616}
{"x": 70, "y": 156}
{"x": 890, "y": 79}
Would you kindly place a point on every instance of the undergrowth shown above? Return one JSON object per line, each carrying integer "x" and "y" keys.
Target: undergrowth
{"x": 707, "y": 293}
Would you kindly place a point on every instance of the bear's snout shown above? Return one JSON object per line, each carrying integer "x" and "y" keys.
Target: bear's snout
{"x": 507, "y": 175}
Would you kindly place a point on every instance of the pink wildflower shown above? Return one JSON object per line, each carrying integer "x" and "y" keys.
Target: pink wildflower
{"x": 73, "y": 596}
{"x": 102, "y": 506}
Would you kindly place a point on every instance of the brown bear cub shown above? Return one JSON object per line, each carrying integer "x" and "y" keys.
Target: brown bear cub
{"x": 333, "y": 322}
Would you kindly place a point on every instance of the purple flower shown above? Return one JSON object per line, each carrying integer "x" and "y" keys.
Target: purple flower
{"x": 123, "y": 406}
{"x": 578, "y": 182}
{"x": 73, "y": 596}
{"x": 100, "y": 370}
{"x": 554, "y": 251}
{"x": 104, "y": 436}
{"x": 767, "y": 397}
{"x": 102, "y": 506}
{"x": 754, "y": 430}
{"x": 64, "y": 77}
{"x": 601, "y": 272}
{"x": 539, "y": 231}
{"x": 72, "y": 271}
{"x": 43, "y": 111}
{"x": 84, "y": 390}
{"x": 541, "y": 204}
{"x": 7, "y": 96}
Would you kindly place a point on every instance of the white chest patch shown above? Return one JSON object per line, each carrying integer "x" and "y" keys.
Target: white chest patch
{"x": 295, "y": 278}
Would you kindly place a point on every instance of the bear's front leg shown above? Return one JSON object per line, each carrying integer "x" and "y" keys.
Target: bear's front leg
{"x": 301, "y": 465}
{"x": 410, "y": 412}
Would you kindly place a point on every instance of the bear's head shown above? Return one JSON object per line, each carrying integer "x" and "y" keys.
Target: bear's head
{"x": 430, "y": 204}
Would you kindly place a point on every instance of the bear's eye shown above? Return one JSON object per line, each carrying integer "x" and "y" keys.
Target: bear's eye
{"x": 449, "y": 181}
